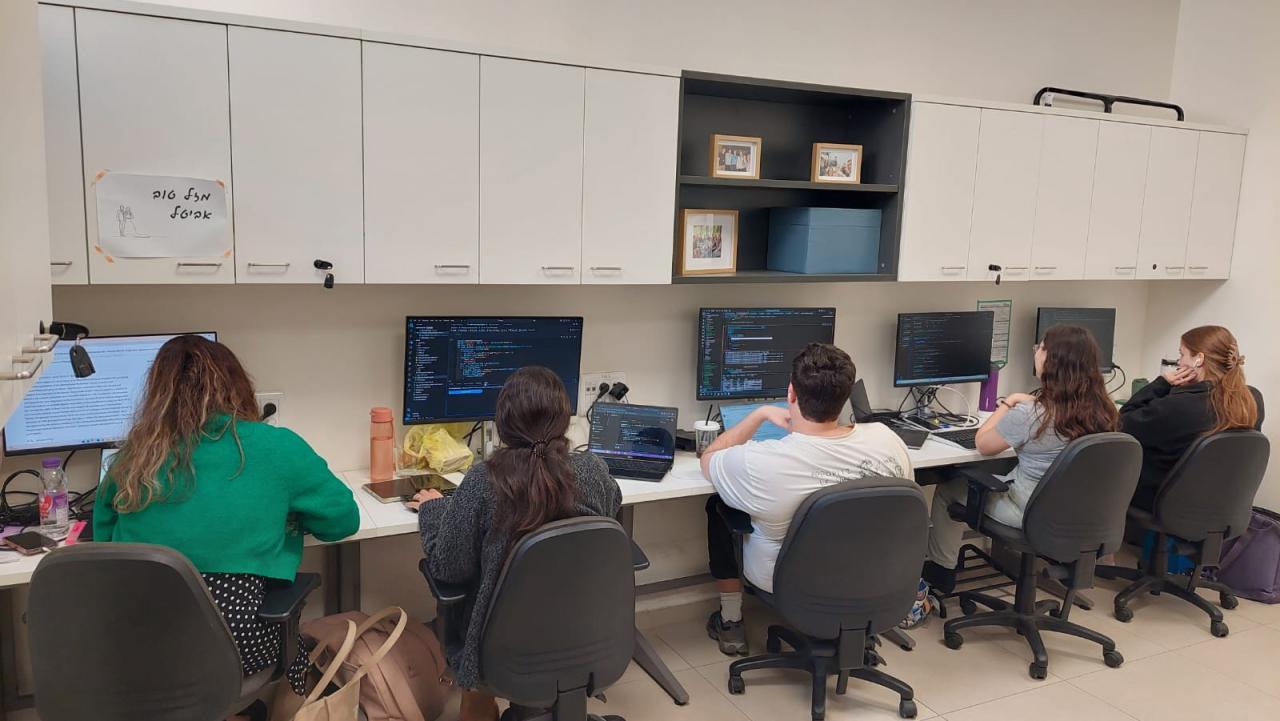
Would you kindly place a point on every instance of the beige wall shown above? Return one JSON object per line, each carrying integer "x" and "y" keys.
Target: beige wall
{"x": 1226, "y": 70}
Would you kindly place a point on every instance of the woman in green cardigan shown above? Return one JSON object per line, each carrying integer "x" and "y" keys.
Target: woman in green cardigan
{"x": 200, "y": 473}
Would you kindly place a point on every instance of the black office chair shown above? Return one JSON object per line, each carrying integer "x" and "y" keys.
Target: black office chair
{"x": 848, "y": 570}
{"x": 1205, "y": 501}
{"x": 561, "y": 625}
{"x": 1075, "y": 515}
{"x": 121, "y": 632}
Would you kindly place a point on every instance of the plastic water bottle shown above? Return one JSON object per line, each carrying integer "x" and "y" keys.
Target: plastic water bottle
{"x": 55, "y": 513}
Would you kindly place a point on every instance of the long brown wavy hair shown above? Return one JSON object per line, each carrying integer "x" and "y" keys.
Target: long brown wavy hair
{"x": 1072, "y": 392}
{"x": 531, "y": 473}
{"x": 192, "y": 380}
{"x": 1233, "y": 403}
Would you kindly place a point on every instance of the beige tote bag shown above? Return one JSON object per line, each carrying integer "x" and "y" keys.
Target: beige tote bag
{"x": 344, "y": 704}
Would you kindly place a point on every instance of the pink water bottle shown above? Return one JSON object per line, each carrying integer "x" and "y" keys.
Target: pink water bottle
{"x": 382, "y": 445}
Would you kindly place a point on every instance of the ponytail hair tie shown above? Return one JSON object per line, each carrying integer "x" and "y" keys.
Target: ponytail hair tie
{"x": 539, "y": 449}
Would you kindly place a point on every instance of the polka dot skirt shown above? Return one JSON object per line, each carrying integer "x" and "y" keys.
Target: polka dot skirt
{"x": 239, "y": 596}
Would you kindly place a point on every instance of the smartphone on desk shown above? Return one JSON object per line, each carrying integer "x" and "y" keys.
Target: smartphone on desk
{"x": 399, "y": 490}
{"x": 29, "y": 543}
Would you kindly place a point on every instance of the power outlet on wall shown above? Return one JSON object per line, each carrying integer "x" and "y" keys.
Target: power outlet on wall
{"x": 275, "y": 398}
{"x": 589, "y": 387}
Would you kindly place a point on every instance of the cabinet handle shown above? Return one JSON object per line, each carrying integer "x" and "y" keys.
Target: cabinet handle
{"x": 1045, "y": 267}
{"x": 61, "y": 263}
{"x": 189, "y": 264}
{"x": 1198, "y": 267}
{"x": 1172, "y": 268}
{"x": 953, "y": 268}
{"x": 266, "y": 265}
{"x": 26, "y": 373}
{"x": 606, "y": 268}
{"x": 1008, "y": 268}
{"x": 46, "y": 341}
{"x": 452, "y": 266}
{"x": 1126, "y": 268}
{"x": 557, "y": 268}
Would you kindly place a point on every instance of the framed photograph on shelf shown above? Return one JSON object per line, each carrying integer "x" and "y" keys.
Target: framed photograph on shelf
{"x": 708, "y": 242}
{"x": 836, "y": 163}
{"x": 735, "y": 156}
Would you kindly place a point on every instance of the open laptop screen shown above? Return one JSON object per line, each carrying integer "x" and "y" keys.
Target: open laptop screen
{"x": 641, "y": 433}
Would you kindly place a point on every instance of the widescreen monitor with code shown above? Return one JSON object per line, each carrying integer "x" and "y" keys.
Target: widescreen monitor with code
{"x": 747, "y": 352}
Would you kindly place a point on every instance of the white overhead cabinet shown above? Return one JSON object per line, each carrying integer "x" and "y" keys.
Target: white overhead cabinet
{"x": 1166, "y": 205}
{"x": 1214, "y": 202}
{"x": 421, "y": 165}
{"x": 1064, "y": 196}
{"x": 1115, "y": 217}
{"x": 153, "y": 101}
{"x": 942, "y": 156}
{"x": 67, "y": 248}
{"x": 1004, "y": 198}
{"x": 628, "y": 184}
{"x": 295, "y": 130}
{"x": 531, "y": 137}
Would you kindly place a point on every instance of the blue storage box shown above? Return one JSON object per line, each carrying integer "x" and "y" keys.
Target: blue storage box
{"x": 824, "y": 240}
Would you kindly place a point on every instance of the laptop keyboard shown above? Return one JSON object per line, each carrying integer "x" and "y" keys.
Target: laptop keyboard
{"x": 966, "y": 437}
{"x": 624, "y": 467}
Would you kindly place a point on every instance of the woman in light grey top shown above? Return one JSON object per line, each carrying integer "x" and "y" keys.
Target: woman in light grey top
{"x": 1072, "y": 402}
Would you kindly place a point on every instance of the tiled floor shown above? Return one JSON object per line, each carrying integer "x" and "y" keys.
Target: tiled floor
{"x": 1174, "y": 671}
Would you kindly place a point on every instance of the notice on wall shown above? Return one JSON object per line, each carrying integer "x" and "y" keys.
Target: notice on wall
{"x": 158, "y": 216}
{"x": 1003, "y": 310}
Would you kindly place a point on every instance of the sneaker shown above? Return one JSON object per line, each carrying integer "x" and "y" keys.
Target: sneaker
{"x": 732, "y": 635}
{"x": 921, "y": 609}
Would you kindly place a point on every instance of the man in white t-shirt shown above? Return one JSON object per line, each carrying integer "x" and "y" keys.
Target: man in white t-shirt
{"x": 770, "y": 479}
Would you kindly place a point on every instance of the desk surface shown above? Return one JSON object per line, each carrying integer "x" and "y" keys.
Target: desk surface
{"x": 378, "y": 520}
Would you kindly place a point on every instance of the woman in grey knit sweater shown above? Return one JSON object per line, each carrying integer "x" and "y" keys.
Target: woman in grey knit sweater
{"x": 531, "y": 481}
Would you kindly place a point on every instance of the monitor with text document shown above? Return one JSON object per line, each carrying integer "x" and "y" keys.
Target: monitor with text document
{"x": 747, "y": 352}
{"x": 941, "y": 348}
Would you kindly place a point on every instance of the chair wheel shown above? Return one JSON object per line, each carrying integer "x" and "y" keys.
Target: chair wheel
{"x": 773, "y": 644}
{"x": 737, "y": 686}
{"x": 1039, "y": 672}
{"x": 1123, "y": 614}
{"x": 1228, "y": 601}
{"x": 907, "y": 708}
{"x": 1113, "y": 659}
{"x": 953, "y": 640}
{"x": 967, "y": 606}
{"x": 1219, "y": 629}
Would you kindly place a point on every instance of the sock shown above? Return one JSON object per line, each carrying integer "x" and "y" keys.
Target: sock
{"x": 731, "y": 607}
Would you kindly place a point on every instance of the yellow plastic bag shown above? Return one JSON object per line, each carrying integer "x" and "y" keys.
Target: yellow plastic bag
{"x": 436, "y": 448}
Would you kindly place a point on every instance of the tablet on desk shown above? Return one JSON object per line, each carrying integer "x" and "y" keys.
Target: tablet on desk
{"x": 398, "y": 490}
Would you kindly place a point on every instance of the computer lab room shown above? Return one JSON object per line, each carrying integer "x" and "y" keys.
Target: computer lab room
{"x": 445, "y": 360}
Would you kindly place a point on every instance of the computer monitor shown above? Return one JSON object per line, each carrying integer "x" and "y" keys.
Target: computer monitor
{"x": 734, "y": 413}
{"x": 62, "y": 412}
{"x": 940, "y": 348}
{"x": 633, "y": 432}
{"x": 455, "y": 366}
{"x": 1101, "y": 322}
{"x": 747, "y": 352}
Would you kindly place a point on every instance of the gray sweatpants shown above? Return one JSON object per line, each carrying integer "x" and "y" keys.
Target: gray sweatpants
{"x": 946, "y": 535}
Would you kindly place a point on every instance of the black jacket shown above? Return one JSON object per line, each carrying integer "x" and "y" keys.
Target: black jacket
{"x": 1166, "y": 420}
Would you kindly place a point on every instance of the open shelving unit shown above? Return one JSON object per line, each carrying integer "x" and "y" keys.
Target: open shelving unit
{"x": 789, "y": 118}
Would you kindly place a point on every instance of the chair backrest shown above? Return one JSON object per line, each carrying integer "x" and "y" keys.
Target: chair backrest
{"x": 1211, "y": 489}
{"x": 125, "y": 632}
{"x": 852, "y": 557}
{"x": 563, "y": 613}
{"x": 1080, "y": 504}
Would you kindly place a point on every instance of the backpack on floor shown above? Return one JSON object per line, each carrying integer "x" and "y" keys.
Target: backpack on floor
{"x": 1251, "y": 562}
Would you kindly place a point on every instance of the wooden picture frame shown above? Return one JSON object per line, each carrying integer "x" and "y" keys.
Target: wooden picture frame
{"x": 708, "y": 241}
{"x": 740, "y": 157}
{"x": 836, "y": 163}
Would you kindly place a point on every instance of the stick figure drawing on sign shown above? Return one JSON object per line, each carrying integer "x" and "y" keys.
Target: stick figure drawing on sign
{"x": 124, "y": 217}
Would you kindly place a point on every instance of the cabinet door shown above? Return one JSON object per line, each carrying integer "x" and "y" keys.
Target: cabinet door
{"x": 942, "y": 157}
{"x": 295, "y": 131}
{"x": 67, "y": 248}
{"x": 1004, "y": 198}
{"x": 628, "y": 177}
{"x": 1166, "y": 205}
{"x": 531, "y": 136}
{"x": 1212, "y": 232}
{"x": 1115, "y": 217}
{"x": 1063, "y": 198}
{"x": 421, "y": 165}
{"x": 24, "y": 219}
{"x": 153, "y": 101}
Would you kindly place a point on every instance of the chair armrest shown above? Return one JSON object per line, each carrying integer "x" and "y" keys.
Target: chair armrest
{"x": 639, "y": 561}
{"x": 981, "y": 484}
{"x": 446, "y": 594}
{"x": 286, "y": 601}
{"x": 985, "y": 480}
{"x": 739, "y": 522}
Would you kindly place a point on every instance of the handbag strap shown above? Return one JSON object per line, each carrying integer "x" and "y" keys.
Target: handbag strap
{"x": 386, "y": 646}
{"x": 335, "y": 663}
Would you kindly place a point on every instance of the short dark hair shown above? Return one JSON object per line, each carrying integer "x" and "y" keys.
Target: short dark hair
{"x": 822, "y": 376}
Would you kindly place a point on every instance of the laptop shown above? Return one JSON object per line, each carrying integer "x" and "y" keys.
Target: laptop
{"x": 636, "y": 442}
{"x": 862, "y": 413}
{"x": 735, "y": 413}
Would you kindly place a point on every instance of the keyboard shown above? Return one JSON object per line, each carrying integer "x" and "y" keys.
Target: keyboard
{"x": 636, "y": 469}
{"x": 966, "y": 437}
{"x": 913, "y": 438}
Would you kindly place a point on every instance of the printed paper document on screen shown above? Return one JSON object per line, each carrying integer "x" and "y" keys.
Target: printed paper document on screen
{"x": 158, "y": 216}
